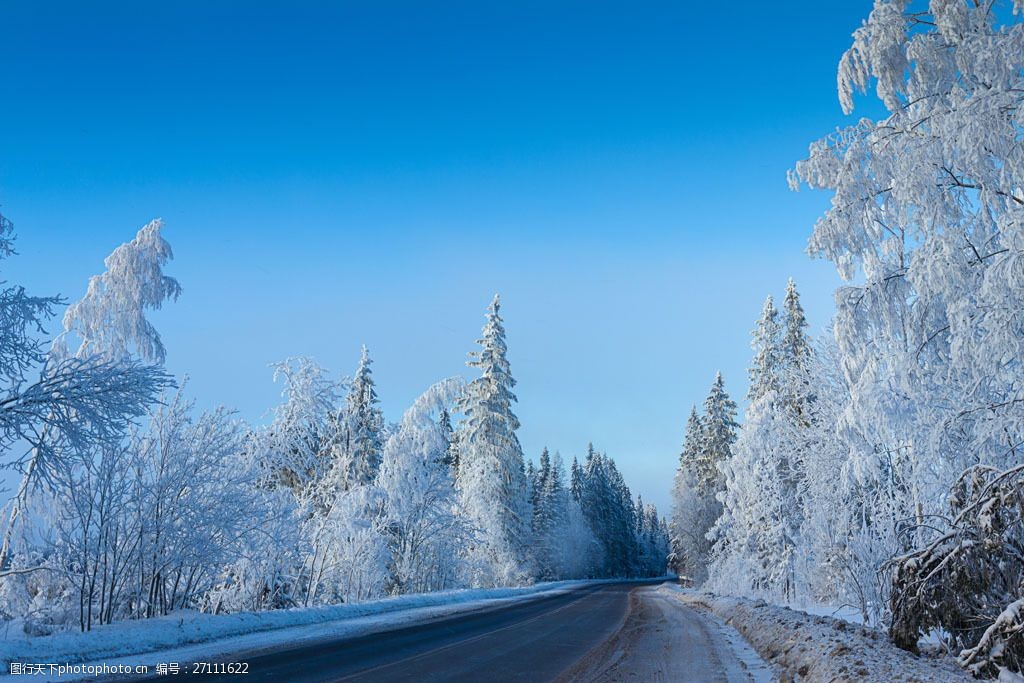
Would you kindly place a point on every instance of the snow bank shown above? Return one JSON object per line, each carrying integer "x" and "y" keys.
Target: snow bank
{"x": 820, "y": 648}
{"x": 169, "y": 637}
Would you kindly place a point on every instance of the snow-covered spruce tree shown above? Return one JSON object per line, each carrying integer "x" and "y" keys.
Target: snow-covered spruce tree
{"x": 491, "y": 477}
{"x": 838, "y": 553}
{"x": 753, "y": 539}
{"x": 796, "y": 392}
{"x": 699, "y": 481}
{"x": 84, "y": 400}
{"x": 686, "y": 504}
{"x": 764, "y": 369}
{"x": 655, "y": 542}
{"x": 563, "y": 545}
{"x": 796, "y": 347}
{"x": 451, "y": 449}
{"x": 608, "y": 507}
{"x": 764, "y": 504}
{"x": 532, "y": 489}
{"x": 756, "y": 552}
{"x": 342, "y": 554}
{"x": 347, "y": 557}
{"x": 543, "y": 499}
{"x": 928, "y": 215}
{"x": 576, "y": 478}
{"x": 425, "y": 535}
{"x": 734, "y": 534}
{"x": 364, "y": 426}
{"x": 715, "y": 438}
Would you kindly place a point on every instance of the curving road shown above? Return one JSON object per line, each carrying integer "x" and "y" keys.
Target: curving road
{"x": 610, "y": 632}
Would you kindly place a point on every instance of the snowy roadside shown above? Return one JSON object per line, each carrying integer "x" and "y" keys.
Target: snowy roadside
{"x": 814, "y": 648}
{"x": 194, "y": 636}
{"x": 661, "y": 640}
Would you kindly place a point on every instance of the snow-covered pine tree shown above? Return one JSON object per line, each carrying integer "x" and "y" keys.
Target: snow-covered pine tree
{"x": 764, "y": 370}
{"x": 699, "y": 482}
{"x": 450, "y": 454}
{"x": 608, "y": 506}
{"x": 538, "y": 482}
{"x": 364, "y": 426}
{"x": 532, "y": 488}
{"x": 686, "y": 536}
{"x": 550, "y": 516}
{"x": 576, "y": 479}
{"x": 753, "y": 541}
{"x": 796, "y": 396}
{"x": 492, "y": 477}
{"x": 717, "y": 436}
{"x": 692, "y": 438}
{"x": 796, "y": 346}
{"x": 544, "y": 469}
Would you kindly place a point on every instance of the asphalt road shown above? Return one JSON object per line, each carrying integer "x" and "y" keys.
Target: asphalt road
{"x": 576, "y": 636}
{"x": 535, "y": 640}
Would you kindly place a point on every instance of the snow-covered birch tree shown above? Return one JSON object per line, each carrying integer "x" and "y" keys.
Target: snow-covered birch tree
{"x": 927, "y": 225}
{"x": 425, "y": 533}
{"x": 85, "y": 397}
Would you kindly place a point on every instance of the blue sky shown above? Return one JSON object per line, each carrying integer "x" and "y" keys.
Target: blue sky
{"x": 334, "y": 174}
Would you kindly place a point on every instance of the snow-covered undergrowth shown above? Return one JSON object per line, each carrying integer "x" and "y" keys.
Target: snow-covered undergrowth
{"x": 261, "y": 629}
{"x": 813, "y": 648}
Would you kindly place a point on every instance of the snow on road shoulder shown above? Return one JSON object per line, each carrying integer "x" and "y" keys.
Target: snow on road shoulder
{"x": 190, "y": 636}
{"x": 660, "y": 639}
{"x": 752, "y": 665}
{"x": 820, "y": 648}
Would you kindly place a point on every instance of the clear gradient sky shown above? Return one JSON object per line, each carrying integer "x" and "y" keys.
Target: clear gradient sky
{"x": 339, "y": 173}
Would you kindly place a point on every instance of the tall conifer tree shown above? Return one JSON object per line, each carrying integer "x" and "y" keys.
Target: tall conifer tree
{"x": 492, "y": 476}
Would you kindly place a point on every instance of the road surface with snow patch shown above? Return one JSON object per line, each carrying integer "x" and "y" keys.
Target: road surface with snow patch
{"x": 612, "y": 632}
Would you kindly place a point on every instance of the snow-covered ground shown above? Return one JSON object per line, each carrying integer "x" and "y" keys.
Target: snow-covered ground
{"x": 845, "y": 613}
{"x": 812, "y": 648}
{"x": 193, "y": 636}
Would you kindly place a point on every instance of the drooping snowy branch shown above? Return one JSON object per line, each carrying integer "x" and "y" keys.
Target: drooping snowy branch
{"x": 110, "y": 320}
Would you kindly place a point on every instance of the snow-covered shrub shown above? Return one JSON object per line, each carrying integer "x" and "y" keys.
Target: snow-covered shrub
{"x": 264, "y": 573}
{"x": 969, "y": 581}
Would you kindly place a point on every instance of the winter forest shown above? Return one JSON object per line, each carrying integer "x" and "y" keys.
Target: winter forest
{"x": 132, "y": 504}
{"x": 876, "y": 466}
{"x": 879, "y": 467}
